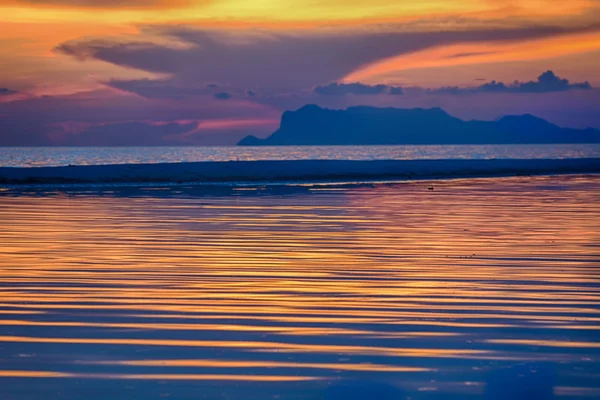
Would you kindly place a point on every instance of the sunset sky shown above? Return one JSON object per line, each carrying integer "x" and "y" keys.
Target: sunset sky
{"x": 168, "y": 72}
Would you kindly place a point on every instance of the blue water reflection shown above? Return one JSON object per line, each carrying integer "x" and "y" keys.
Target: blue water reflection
{"x": 481, "y": 289}
{"x": 63, "y": 156}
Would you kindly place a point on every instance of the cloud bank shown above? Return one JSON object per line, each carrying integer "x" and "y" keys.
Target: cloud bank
{"x": 546, "y": 82}
{"x": 357, "y": 88}
{"x": 222, "y": 96}
{"x": 278, "y": 61}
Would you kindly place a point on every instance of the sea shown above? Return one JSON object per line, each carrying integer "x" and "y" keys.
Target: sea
{"x": 464, "y": 288}
{"x": 62, "y": 156}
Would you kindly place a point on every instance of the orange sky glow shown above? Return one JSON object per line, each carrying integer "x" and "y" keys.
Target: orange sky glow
{"x": 34, "y": 28}
{"x": 190, "y": 57}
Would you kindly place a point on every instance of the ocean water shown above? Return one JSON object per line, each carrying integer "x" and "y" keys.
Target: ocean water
{"x": 62, "y": 156}
{"x": 477, "y": 289}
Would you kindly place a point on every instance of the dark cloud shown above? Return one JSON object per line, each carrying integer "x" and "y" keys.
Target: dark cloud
{"x": 342, "y": 89}
{"x": 448, "y": 90}
{"x": 160, "y": 88}
{"x": 278, "y": 61}
{"x": 222, "y": 96}
{"x": 6, "y": 92}
{"x": 546, "y": 82}
{"x": 170, "y": 89}
{"x": 473, "y": 53}
{"x": 147, "y": 56}
{"x": 250, "y": 93}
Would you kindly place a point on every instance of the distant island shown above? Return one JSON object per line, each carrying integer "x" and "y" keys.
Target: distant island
{"x": 313, "y": 125}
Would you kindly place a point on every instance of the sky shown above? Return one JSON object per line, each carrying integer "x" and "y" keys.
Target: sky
{"x": 209, "y": 72}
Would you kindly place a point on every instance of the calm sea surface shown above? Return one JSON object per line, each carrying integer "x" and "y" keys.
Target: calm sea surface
{"x": 478, "y": 289}
{"x": 56, "y": 156}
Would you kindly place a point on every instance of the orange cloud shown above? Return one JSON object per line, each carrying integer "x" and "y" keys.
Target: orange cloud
{"x": 33, "y": 27}
{"x": 477, "y": 53}
{"x": 298, "y": 13}
{"x": 128, "y": 4}
{"x": 235, "y": 123}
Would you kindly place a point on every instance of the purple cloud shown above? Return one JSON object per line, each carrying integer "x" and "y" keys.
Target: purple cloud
{"x": 260, "y": 74}
{"x": 342, "y": 89}
{"x": 222, "y": 96}
{"x": 161, "y": 88}
{"x": 278, "y": 62}
{"x": 546, "y": 82}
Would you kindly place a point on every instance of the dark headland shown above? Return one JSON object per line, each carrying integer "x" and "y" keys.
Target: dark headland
{"x": 313, "y": 125}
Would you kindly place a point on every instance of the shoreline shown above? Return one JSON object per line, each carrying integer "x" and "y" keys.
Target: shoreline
{"x": 241, "y": 173}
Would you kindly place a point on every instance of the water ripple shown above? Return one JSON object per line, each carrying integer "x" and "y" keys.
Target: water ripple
{"x": 440, "y": 293}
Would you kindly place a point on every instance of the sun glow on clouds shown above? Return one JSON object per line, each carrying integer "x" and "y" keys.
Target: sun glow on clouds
{"x": 37, "y": 27}
{"x": 235, "y": 123}
{"x": 261, "y": 10}
{"x": 267, "y": 56}
{"x": 476, "y": 53}
{"x": 216, "y": 125}
{"x": 265, "y": 12}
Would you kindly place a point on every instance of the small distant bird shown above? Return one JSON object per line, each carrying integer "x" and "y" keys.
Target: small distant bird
{"x": 430, "y": 188}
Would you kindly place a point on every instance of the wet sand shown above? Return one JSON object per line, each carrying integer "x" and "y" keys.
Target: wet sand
{"x": 303, "y": 292}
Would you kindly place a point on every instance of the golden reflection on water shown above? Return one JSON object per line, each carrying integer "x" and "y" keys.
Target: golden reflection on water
{"x": 395, "y": 281}
{"x": 33, "y": 374}
{"x": 205, "y": 377}
{"x": 262, "y": 364}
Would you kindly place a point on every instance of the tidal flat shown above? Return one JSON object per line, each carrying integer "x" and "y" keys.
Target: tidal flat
{"x": 459, "y": 289}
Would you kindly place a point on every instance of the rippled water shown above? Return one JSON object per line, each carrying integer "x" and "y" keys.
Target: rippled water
{"x": 61, "y": 156}
{"x": 300, "y": 292}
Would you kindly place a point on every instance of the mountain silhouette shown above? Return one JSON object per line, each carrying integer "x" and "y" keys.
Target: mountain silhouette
{"x": 313, "y": 125}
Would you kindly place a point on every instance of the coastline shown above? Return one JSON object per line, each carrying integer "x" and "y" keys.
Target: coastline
{"x": 341, "y": 171}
